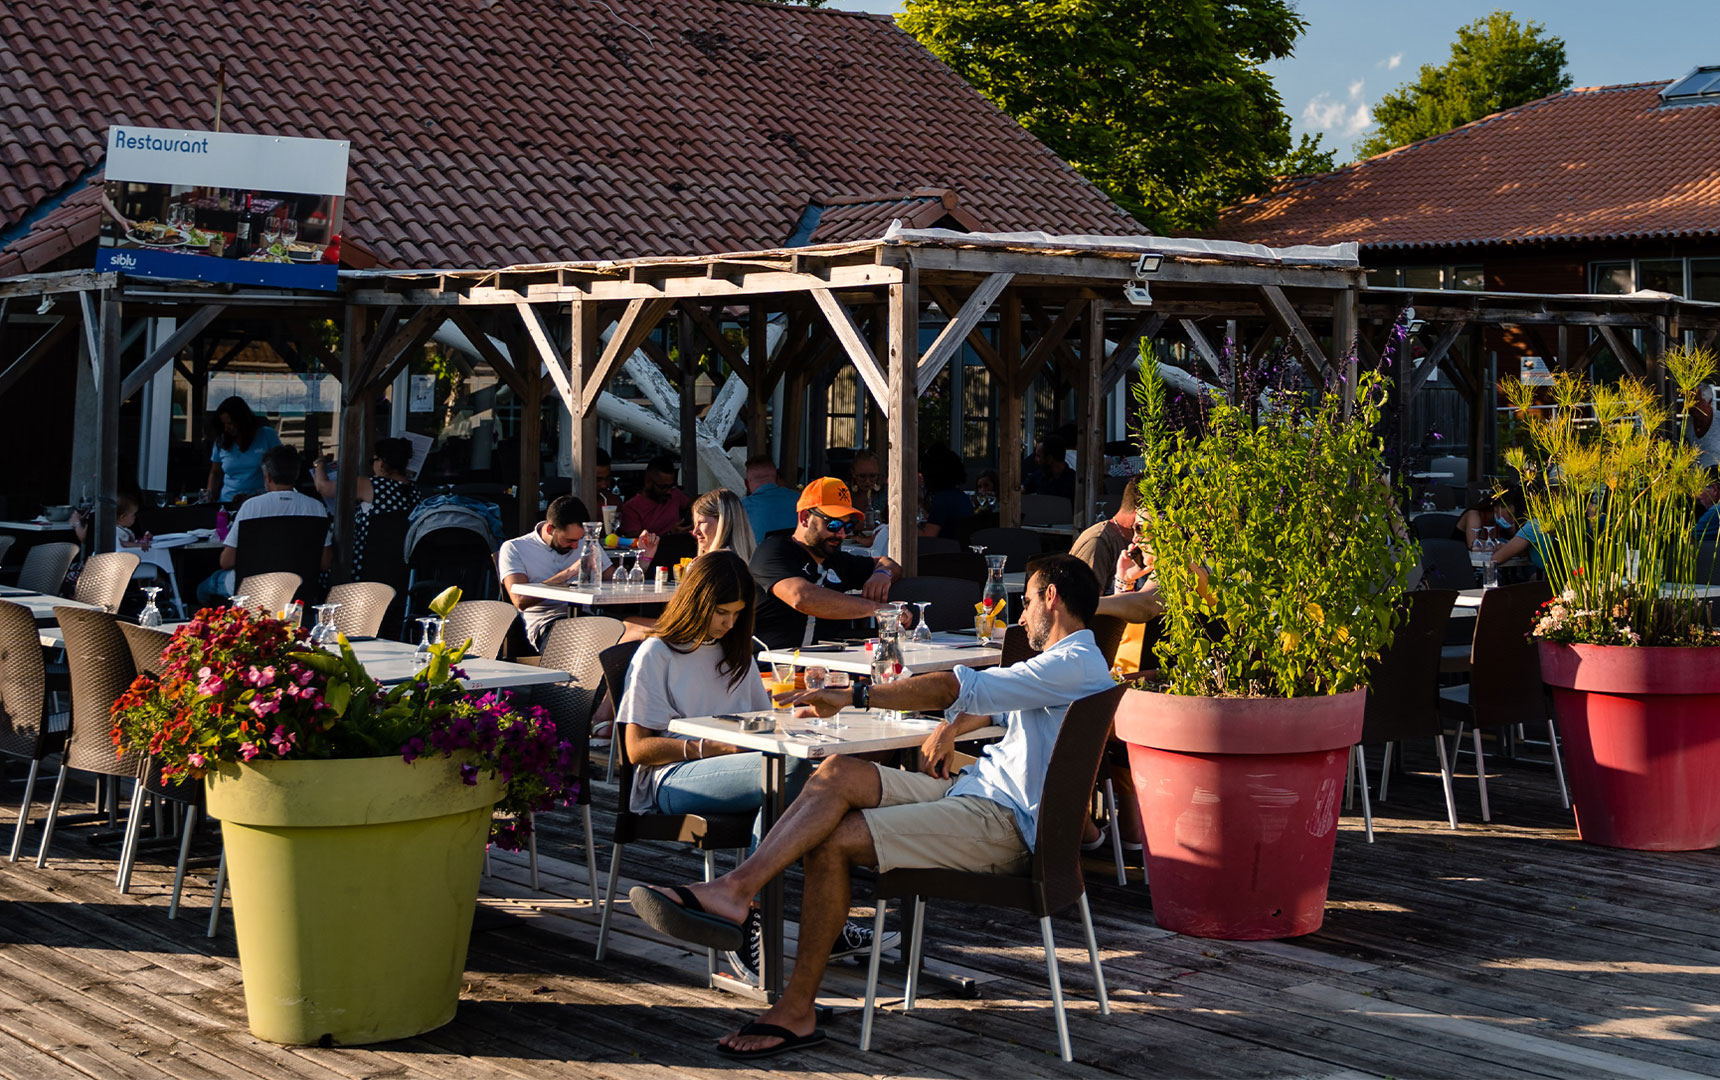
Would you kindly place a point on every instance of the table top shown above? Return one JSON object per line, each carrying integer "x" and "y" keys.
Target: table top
{"x": 863, "y": 732}
{"x": 37, "y": 526}
{"x": 42, "y": 606}
{"x": 1433, "y": 475}
{"x": 598, "y": 595}
{"x": 1482, "y": 558}
{"x": 946, "y": 652}
{"x": 1054, "y": 530}
{"x": 390, "y": 662}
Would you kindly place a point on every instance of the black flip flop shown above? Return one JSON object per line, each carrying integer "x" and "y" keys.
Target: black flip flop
{"x": 790, "y": 1041}
{"x": 687, "y": 920}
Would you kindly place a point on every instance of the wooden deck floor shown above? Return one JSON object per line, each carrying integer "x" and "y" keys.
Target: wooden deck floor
{"x": 1495, "y": 951}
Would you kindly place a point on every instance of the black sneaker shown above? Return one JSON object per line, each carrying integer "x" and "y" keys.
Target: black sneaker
{"x": 856, "y": 940}
{"x": 747, "y": 968}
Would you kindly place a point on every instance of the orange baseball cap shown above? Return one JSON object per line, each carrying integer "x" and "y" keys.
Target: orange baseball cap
{"x": 829, "y": 496}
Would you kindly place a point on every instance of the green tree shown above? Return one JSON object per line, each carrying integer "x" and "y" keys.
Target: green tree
{"x": 1496, "y": 63}
{"x": 1165, "y": 104}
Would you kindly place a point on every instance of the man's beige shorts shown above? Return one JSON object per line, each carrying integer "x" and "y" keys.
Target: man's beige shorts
{"x": 915, "y": 826}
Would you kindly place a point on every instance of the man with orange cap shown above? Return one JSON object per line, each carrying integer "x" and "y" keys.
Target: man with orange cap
{"x": 804, "y": 578}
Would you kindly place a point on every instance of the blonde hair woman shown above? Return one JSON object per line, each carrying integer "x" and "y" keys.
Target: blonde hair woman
{"x": 720, "y": 524}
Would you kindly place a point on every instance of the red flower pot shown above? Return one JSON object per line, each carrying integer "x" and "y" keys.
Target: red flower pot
{"x": 1641, "y": 733}
{"x": 1240, "y": 799}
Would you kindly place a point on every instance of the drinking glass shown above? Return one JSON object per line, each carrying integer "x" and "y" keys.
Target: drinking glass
{"x": 431, "y": 625}
{"x": 782, "y": 682}
{"x": 324, "y": 632}
{"x": 1489, "y": 575}
{"x": 982, "y": 628}
{"x": 817, "y": 678}
{"x": 289, "y": 230}
{"x": 150, "y": 615}
{"x": 160, "y": 499}
{"x": 837, "y": 680}
{"x": 238, "y": 600}
{"x": 922, "y": 634}
{"x": 977, "y": 549}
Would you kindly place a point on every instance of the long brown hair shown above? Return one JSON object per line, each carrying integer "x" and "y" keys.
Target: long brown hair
{"x": 720, "y": 577}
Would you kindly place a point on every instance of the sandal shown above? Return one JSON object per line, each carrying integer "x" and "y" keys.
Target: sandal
{"x": 790, "y": 1041}
{"x": 687, "y": 920}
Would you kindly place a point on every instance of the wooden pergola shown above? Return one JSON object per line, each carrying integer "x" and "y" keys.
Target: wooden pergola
{"x": 1027, "y": 308}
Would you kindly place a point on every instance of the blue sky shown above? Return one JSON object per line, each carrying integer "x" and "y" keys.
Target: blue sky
{"x": 1354, "y": 51}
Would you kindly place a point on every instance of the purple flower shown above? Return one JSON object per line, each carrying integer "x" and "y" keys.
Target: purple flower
{"x": 469, "y": 775}
{"x": 282, "y": 740}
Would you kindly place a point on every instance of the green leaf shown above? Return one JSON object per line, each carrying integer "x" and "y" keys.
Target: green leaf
{"x": 445, "y": 601}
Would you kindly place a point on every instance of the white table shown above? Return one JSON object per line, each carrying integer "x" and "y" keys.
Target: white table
{"x": 36, "y": 526}
{"x": 598, "y": 595}
{"x": 1054, "y": 530}
{"x": 42, "y": 606}
{"x": 391, "y": 662}
{"x": 946, "y": 652}
{"x": 1469, "y": 600}
{"x": 1432, "y": 475}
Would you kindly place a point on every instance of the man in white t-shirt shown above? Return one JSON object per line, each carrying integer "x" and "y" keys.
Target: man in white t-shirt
{"x": 281, "y": 468}
{"x": 548, "y": 555}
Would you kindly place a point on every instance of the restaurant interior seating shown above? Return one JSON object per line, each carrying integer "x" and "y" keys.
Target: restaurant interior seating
{"x": 575, "y": 646}
{"x": 25, "y": 733}
{"x": 290, "y": 544}
{"x": 46, "y": 566}
{"x": 1403, "y": 696}
{"x": 363, "y": 605}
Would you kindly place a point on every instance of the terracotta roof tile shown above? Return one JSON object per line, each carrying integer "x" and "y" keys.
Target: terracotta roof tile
{"x": 692, "y": 126}
{"x": 1606, "y": 162}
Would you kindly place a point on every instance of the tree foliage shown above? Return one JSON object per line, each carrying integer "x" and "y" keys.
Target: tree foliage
{"x": 1496, "y": 63}
{"x": 1165, "y": 104}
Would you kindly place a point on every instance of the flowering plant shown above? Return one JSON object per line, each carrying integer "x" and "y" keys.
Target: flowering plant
{"x": 236, "y": 686}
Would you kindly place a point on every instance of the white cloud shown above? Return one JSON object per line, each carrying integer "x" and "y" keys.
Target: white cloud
{"x": 1347, "y": 117}
{"x": 1391, "y": 62}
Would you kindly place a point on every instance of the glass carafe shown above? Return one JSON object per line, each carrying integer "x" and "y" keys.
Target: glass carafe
{"x": 591, "y": 555}
{"x": 887, "y": 662}
{"x": 996, "y": 595}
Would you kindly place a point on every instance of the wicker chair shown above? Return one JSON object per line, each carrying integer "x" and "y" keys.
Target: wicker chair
{"x": 103, "y": 579}
{"x": 146, "y": 645}
{"x": 363, "y": 605}
{"x": 45, "y": 568}
{"x": 486, "y": 622}
{"x": 575, "y": 646}
{"x": 24, "y": 731}
{"x": 101, "y": 669}
{"x": 6, "y": 543}
{"x": 268, "y": 593}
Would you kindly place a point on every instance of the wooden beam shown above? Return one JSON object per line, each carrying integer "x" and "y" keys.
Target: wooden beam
{"x": 1279, "y": 306}
{"x": 956, "y": 331}
{"x": 582, "y": 364}
{"x": 706, "y": 323}
{"x": 104, "y": 532}
{"x": 660, "y": 359}
{"x": 1010, "y": 409}
{"x": 854, "y": 343}
{"x": 38, "y": 349}
{"x": 1089, "y": 417}
{"x": 758, "y": 391}
{"x": 404, "y": 355}
{"x": 412, "y": 333}
{"x": 1128, "y": 349}
{"x": 903, "y": 461}
{"x": 529, "y": 392}
{"x": 560, "y": 373}
{"x": 167, "y": 350}
{"x": 510, "y": 371}
{"x": 948, "y": 300}
{"x": 1624, "y": 350}
{"x": 1049, "y": 340}
{"x": 1203, "y": 348}
{"x": 354, "y": 415}
{"x": 1430, "y": 363}
{"x": 635, "y": 324}
{"x": 687, "y": 338}
{"x": 92, "y": 331}
{"x": 1345, "y": 326}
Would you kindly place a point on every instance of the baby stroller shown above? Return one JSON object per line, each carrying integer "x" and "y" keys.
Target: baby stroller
{"x": 450, "y": 540}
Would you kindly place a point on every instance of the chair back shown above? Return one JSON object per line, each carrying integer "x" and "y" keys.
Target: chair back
{"x": 268, "y": 593}
{"x": 362, "y": 607}
{"x": 1434, "y": 526}
{"x": 1107, "y": 631}
{"x": 101, "y": 670}
{"x": 1019, "y": 545}
{"x": 1063, "y": 808}
{"x": 952, "y": 600}
{"x": 486, "y": 622}
{"x": 146, "y": 644}
{"x": 1403, "y": 684}
{"x": 6, "y": 543}
{"x": 615, "y": 660}
{"x": 293, "y": 545}
{"x": 1504, "y": 665}
{"x": 1447, "y": 564}
{"x": 960, "y": 564}
{"x": 1047, "y": 509}
{"x": 1015, "y": 646}
{"x": 576, "y": 647}
{"x": 675, "y": 547}
{"x": 23, "y": 685}
{"x": 45, "y": 568}
{"x": 103, "y": 579}
{"x": 938, "y": 545}
{"x": 1458, "y": 467}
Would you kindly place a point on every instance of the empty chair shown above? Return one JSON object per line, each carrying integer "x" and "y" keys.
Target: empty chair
{"x": 385, "y": 563}
{"x": 1053, "y": 881}
{"x": 45, "y": 568}
{"x": 24, "y": 731}
{"x": 6, "y": 543}
{"x": 1458, "y": 467}
{"x": 938, "y": 545}
{"x": 292, "y": 545}
{"x": 146, "y": 645}
{"x": 1403, "y": 695}
{"x": 1447, "y": 565}
{"x": 363, "y": 605}
{"x": 1047, "y": 509}
{"x": 960, "y": 564}
{"x": 101, "y": 670}
{"x": 575, "y": 646}
{"x": 268, "y": 593}
{"x": 1019, "y": 545}
{"x": 1434, "y": 526}
{"x": 486, "y": 622}
{"x": 103, "y": 579}
{"x": 951, "y": 600}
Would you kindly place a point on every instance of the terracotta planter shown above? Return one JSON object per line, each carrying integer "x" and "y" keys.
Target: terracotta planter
{"x": 1240, "y": 801}
{"x": 1641, "y": 733}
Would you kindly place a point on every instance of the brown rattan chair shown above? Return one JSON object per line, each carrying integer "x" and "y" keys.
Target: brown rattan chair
{"x": 709, "y": 833}
{"x": 1403, "y": 696}
{"x": 45, "y": 568}
{"x": 103, "y": 579}
{"x": 575, "y": 646}
{"x": 24, "y": 730}
{"x": 101, "y": 669}
{"x": 268, "y": 593}
{"x": 485, "y": 622}
{"x": 1053, "y": 881}
{"x": 363, "y": 605}
{"x": 952, "y": 600}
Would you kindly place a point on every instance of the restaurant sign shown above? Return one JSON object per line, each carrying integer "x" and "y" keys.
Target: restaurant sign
{"x": 216, "y": 206}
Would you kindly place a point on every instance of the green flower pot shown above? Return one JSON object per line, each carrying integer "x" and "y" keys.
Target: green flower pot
{"x": 353, "y": 886}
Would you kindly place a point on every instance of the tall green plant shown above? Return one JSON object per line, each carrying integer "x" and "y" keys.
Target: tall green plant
{"x": 1611, "y": 496}
{"x": 1275, "y": 542}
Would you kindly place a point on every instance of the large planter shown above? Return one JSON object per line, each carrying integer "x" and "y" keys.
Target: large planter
{"x": 1240, "y": 800}
{"x": 353, "y": 884}
{"x": 1641, "y": 733}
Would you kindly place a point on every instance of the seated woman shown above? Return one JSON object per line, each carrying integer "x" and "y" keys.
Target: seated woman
{"x": 719, "y": 524}
{"x": 1493, "y": 510}
{"x": 388, "y": 489}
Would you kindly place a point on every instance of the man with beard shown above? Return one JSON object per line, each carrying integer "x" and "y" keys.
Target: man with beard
{"x": 804, "y": 577}
{"x": 857, "y": 813}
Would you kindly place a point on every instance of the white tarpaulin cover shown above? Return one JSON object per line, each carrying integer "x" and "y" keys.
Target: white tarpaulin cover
{"x": 1302, "y": 254}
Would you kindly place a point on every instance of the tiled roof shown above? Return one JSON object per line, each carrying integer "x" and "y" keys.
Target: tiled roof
{"x": 1605, "y": 162}
{"x": 497, "y": 132}
{"x": 864, "y": 217}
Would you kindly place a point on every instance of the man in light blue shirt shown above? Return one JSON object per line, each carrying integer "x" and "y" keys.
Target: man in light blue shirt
{"x": 856, "y": 813}
{"x": 770, "y": 507}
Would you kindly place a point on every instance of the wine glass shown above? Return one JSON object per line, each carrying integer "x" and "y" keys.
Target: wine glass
{"x": 977, "y": 549}
{"x": 238, "y": 600}
{"x": 160, "y": 499}
{"x": 324, "y": 632}
{"x": 837, "y": 680}
{"x": 289, "y": 230}
{"x": 150, "y": 615}
{"x": 922, "y": 634}
{"x": 271, "y": 231}
{"x": 817, "y": 677}
{"x": 421, "y": 656}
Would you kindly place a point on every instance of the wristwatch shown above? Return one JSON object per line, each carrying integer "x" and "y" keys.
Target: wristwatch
{"x": 861, "y": 695}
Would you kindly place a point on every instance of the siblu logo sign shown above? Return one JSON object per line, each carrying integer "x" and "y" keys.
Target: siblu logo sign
{"x": 123, "y": 261}
{"x": 180, "y": 145}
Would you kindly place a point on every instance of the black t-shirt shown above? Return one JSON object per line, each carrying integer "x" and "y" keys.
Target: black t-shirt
{"x": 779, "y": 558}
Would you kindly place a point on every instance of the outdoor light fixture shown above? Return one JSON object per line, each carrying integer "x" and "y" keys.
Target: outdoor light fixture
{"x": 1135, "y": 290}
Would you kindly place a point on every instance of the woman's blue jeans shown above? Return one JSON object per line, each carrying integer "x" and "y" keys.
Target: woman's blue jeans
{"x": 731, "y": 784}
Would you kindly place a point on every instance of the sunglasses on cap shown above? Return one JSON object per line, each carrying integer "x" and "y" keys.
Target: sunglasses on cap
{"x": 838, "y": 526}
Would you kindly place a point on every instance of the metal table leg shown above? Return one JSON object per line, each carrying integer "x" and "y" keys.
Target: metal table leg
{"x": 771, "y": 902}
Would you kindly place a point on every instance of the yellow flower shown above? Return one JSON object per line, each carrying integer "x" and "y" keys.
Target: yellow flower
{"x": 1288, "y": 640}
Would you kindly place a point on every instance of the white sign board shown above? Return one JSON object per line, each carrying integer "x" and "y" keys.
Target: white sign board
{"x": 423, "y": 397}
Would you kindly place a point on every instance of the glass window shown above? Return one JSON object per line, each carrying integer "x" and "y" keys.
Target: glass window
{"x": 1705, "y": 280}
{"x": 1423, "y": 277}
{"x": 1467, "y": 278}
{"x": 1614, "y": 278}
{"x": 1385, "y": 278}
{"x": 1661, "y": 275}
{"x": 841, "y": 424}
{"x": 977, "y": 423}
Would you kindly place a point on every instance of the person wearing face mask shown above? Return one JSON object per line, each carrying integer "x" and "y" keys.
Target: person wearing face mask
{"x": 548, "y": 555}
{"x": 804, "y": 577}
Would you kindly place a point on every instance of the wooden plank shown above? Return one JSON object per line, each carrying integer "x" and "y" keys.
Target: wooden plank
{"x": 409, "y": 349}
{"x": 1010, "y": 389}
{"x": 902, "y": 467}
{"x": 1345, "y": 327}
{"x": 1279, "y": 306}
{"x": 1580, "y": 363}
{"x": 39, "y": 348}
{"x": 1436, "y": 355}
{"x": 640, "y": 319}
{"x": 92, "y": 332}
{"x": 854, "y": 343}
{"x": 687, "y": 338}
{"x": 1203, "y": 348}
{"x": 1089, "y": 417}
{"x": 167, "y": 350}
{"x": 1625, "y": 351}
{"x": 382, "y": 359}
{"x": 956, "y": 331}
{"x": 706, "y": 323}
{"x": 759, "y": 389}
{"x": 354, "y": 415}
{"x": 559, "y": 369}
{"x": 1050, "y": 339}
{"x": 103, "y": 532}
{"x": 1129, "y": 349}
{"x": 515, "y": 374}
{"x": 947, "y": 299}
{"x": 582, "y": 364}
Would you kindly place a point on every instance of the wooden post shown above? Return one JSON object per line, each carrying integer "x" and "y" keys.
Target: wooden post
{"x": 531, "y": 428}
{"x": 1009, "y": 393}
{"x": 877, "y": 426}
{"x": 108, "y": 393}
{"x": 354, "y": 405}
{"x": 690, "y": 348}
{"x": 582, "y": 399}
{"x": 758, "y": 359}
{"x": 904, "y": 458}
{"x": 1089, "y": 417}
{"x": 793, "y": 421}
{"x": 1344, "y": 325}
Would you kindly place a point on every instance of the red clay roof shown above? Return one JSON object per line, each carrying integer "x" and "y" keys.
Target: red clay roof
{"x": 1604, "y": 162}
{"x": 496, "y": 132}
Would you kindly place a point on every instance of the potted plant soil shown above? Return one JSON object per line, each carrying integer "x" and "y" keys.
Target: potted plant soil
{"x": 1280, "y": 562}
{"x": 354, "y": 816}
{"x": 1626, "y": 644}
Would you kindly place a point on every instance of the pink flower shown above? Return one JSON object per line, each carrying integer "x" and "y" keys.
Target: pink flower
{"x": 305, "y": 677}
{"x": 196, "y": 761}
{"x": 265, "y": 706}
{"x": 249, "y": 750}
{"x": 210, "y": 684}
{"x": 282, "y": 740}
{"x": 260, "y": 677}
